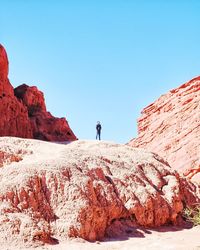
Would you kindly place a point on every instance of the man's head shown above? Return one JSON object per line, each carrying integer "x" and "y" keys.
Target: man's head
{"x": 98, "y": 122}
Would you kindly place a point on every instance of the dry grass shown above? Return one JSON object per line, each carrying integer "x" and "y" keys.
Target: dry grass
{"x": 192, "y": 214}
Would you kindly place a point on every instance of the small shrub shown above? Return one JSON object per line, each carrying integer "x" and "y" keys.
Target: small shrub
{"x": 192, "y": 214}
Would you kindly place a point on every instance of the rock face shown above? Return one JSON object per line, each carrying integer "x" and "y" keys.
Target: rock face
{"x": 3, "y": 64}
{"x": 84, "y": 189}
{"x": 14, "y": 116}
{"x": 171, "y": 127}
{"x": 23, "y": 111}
{"x": 44, "y": 125}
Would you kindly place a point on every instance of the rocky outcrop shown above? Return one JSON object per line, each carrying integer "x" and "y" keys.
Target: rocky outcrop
{"x": 14, "y": 116}
{"x": 31, "y": 97}
{"x": 3, "y": 65}
{"x": 85, "y": 189}
{"x": 44, "y": 125}
{"x": 171, "y": 127}
{"x": 23, "y": 111}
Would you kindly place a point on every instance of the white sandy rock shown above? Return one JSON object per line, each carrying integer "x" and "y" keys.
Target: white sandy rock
{"x": 86, "y": 189}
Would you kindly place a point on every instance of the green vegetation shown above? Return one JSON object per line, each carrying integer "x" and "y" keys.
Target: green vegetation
{"x": 192, "y": 214}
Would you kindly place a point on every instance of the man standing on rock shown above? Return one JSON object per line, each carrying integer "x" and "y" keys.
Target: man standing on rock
{"x": 98, "y": 128}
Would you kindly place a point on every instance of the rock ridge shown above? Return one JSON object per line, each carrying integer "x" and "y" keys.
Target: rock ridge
{"x": 171, "y": 127}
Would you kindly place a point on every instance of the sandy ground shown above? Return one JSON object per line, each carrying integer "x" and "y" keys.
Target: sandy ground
{"x": 165, "y": 238}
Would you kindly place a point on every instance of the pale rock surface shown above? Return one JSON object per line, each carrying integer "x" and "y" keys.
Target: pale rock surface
{"x": 86, "y": 189}
{"x": 171, "y": 127}
{"x": 165, "y": 238}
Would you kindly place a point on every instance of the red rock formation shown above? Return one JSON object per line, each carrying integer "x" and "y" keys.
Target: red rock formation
{"x": 171, "y": 127}
{"x": 31, "y": 97}
{"x": 3, "y": 64}
{"x": 26, "y": 115}
{"x": 44, "y": 125}
{"x": 85, "y": 189}
{"x": 14, "y": 116}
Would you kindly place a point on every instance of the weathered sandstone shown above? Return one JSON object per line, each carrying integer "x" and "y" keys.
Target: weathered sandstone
{"x": 14, "y": 116}
{"x": 23, "y": 111}
{"x": 171, "y": 127}
{"x": 85, "y": 189}
{"x": 44, "y": 125}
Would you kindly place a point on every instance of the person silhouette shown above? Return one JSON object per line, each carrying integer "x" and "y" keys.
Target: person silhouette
{"x": 98, "y": 128}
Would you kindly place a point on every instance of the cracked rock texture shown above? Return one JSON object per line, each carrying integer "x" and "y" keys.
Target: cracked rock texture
{"x": 171, "y": 127}
{"x": 23, "y": 111}
{"x": 86, "y": 189}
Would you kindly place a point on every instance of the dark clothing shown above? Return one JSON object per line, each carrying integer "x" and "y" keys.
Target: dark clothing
{"x": 98, "y": 128}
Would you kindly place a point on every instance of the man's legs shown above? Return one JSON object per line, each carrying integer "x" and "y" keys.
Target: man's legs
{"x": 98, "y": 135}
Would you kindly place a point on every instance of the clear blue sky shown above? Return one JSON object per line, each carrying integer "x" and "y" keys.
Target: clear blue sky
{"x": 101, "y": 60}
